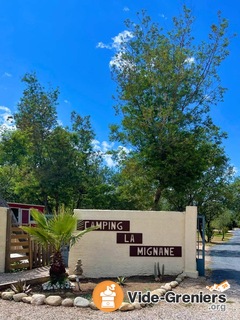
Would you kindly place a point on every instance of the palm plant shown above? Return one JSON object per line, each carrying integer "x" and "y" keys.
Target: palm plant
{"x": 57, "y": 232}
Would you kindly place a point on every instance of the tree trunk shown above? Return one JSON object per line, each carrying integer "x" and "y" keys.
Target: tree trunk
{"x": 157, "y": 199}
{"x": 57, "y": 269}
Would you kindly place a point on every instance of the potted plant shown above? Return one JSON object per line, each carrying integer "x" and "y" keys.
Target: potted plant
{"x": 57, "y": 232}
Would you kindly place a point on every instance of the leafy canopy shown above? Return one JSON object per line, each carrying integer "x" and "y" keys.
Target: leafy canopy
{"x": 166, "y": 84}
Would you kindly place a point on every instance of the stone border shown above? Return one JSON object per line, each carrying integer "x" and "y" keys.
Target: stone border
{"x": 55, "y": 300}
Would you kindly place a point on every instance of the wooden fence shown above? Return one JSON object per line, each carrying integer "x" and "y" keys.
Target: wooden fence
{"x": 24, "y": 253}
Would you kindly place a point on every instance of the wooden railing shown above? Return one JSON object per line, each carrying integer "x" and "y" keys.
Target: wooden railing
{"x": 18, "y": 253}
{"x": 24, "y": 253}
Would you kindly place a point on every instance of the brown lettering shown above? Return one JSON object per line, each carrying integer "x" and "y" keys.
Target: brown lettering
{"x": 129, "y": 237}
{"x": 155, "y": 251}
{"x": 105, "y": 225}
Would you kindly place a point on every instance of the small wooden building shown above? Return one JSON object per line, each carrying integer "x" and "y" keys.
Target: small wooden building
{"x": 22, "y": 212}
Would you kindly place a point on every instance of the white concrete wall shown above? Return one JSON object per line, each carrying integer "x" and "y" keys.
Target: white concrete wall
{"x": 190, "y": 235}
{"x": 102, "y": 257}
{"x": 3, "y": 227}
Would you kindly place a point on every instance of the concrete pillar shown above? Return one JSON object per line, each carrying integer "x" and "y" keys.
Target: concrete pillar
{"x": 190, "y": 264}
{"x": 3, "y": 228}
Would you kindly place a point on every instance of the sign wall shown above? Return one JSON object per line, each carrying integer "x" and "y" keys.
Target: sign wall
{"x": 129, "y": 243}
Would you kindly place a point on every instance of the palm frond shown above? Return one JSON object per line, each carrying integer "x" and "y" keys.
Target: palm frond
{"x": 58, "y": 231}
{"x": 62, "y": 224}
{"x": 39, "y": 217}
{"x": 40, "y": 235}
{"x": 77, "y": 237}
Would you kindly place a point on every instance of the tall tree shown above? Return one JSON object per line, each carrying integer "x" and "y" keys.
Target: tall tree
{"x": 166, "y": 84}
{"x": 35, "y": 119}
{"x": 49, "y": 164}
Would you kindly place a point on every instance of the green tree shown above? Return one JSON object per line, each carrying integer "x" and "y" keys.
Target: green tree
{"x": 35, "y": 119}
{"x": 223, "y": 222}
{"x": 210, "y": 193}
{"x": 51, "y": 165}
{"x": 133, "y": 187}
{"x": 57, "y": 232}
{"x": 234, "y": 200}
{"x": 166, "y": 84}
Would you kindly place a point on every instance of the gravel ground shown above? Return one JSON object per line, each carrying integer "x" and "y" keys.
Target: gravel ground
{"x": 167, "y": 311}
{"x": 163, "y": 311}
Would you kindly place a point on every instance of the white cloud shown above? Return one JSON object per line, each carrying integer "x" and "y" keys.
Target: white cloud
{"x": 118, "y": 61}
{"x": 102, "y": 45}
{"x": 5, "y": 109}
{"x": 121, "y": 38}
{"x": 117, "y": 46}
{"x": 104, "y": 147}
{"x": 126, "y": 9}
{"x": 60, "y": 123}
{"x": 163, "y": 16}
{"x": 96, "y": 145}
{"x": 66, "y": 101}
{"x": 7, "y": 75}
{"x": 6, "y": 119}
{"x": 117, "y": 41}
{"x": 235, "y": 170}
{"x": 189, "y": 60}
{"x": 109, "y": 161}
{"x": 107, "y": 146}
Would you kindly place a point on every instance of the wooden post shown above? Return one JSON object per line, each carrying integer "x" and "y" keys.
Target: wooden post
{"x": 30, "y": 255}
{"x": 8, "y": 242}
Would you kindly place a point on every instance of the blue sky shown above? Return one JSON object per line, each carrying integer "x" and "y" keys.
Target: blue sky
{"x": 60, "y": 41}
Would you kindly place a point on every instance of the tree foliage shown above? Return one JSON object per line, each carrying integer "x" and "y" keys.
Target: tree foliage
{"x": 43, "y": 162}
{"x": 166, "y": 84}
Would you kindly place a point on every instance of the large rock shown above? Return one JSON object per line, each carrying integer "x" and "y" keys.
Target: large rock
{"x": 67, "y": 302}
{"x": 162, "y": 292}
{"x": 81, "y": 302}
{"x": 159, "y": 292}
{"x": 8, "y": 295}
{"x": 72, "y": 277}
{"x": 125, "y": 306}
{"x": 27, "y": 299}
{"x": 18, "y": 296}
{"x": 53, "y": 300}
{"x": 173, "y": 284}
{"x": 167, "y": 287}
{"x": 38, "y": 299}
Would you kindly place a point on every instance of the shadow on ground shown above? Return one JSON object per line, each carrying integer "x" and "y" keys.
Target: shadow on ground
{"x": 219, "y": 275}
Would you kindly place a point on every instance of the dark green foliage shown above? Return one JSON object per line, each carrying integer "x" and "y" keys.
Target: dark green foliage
{"x": 166, "y": 86}
{"x": 44, "y": 163}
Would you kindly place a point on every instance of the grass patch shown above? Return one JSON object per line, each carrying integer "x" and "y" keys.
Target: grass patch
{"x": 217, "y": 238}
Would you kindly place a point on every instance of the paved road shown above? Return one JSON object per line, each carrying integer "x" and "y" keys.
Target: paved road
{"x": 225, "y": 263}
